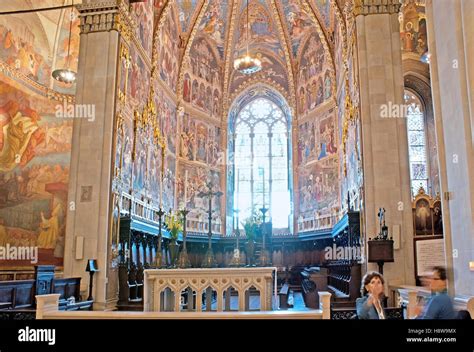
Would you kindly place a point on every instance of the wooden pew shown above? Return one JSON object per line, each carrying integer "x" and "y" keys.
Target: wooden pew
{"x": 283, "y": 294}
{"x": 19, "y": 296}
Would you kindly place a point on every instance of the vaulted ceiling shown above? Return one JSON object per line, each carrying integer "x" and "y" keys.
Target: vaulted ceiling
{"x": 280, "y": 33}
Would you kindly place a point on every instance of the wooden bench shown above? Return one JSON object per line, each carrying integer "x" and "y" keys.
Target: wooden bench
{"x": 20, "y": 295}
{"x": 283, "y": 294}
{"x": 310, "y": 294}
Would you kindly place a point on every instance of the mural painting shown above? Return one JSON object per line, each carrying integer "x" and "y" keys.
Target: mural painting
{"x": 314, "y": 78}
{"x": 35, "y": 148}
{"x": 168, "y": 52}
{"x": 195, "y": 179}
{"x": 203, "y": 83}
{"x": 143, "y": 12}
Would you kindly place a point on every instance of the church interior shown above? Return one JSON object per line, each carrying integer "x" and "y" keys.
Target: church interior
{"x": 183, "y": 157}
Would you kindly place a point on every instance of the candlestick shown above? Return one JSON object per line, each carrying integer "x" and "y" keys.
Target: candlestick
{"x": 237, "y": 206}
{"x": 161, "y": 192}
{"x": 186, "y": 188}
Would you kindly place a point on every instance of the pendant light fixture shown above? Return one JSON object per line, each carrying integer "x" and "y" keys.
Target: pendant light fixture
{"x": 66, "y": 75}
{"x": 247, "y": 64}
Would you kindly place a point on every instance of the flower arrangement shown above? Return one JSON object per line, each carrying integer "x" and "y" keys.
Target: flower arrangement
{"x": 252, "y": 226}
{"x": 174, "y": 224}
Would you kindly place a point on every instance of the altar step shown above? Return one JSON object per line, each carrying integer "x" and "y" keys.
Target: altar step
{"x": 135, "y": 305}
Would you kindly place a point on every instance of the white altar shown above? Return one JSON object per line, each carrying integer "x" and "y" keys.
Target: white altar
{"x": 163, "y": 289}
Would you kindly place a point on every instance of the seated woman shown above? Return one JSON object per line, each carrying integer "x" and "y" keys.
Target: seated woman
{"x": 369, "y": 306}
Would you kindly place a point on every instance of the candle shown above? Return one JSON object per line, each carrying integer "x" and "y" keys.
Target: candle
{"x": 238, "y": 181}
{"x": 161, "y": 192}
{"x": 264, "y": 188}
{"x": 237, "y": 193}
{"x": 185, "y": 188}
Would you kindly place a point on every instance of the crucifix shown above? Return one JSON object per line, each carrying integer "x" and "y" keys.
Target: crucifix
{"x": 209, "y": 260}
{"x": 236, "y": 257}
{"x": 381, "y": 216}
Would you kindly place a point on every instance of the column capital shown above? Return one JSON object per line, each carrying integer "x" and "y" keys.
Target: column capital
{"x": 376, "y": 7}
{"x": 104, "y": 16}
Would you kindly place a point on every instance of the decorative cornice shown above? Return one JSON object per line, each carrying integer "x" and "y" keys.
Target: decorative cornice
{"x": 376, "y": 7}
{"x": 36, "y": 87}
{"x": 106, "y": 16}
{"x": 199, "y": 114}
{"x": 325, "y": 107}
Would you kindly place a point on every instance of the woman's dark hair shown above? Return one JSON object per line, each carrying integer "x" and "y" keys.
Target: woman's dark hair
{"x": 367, "y": 278}
{"x": 464, "y": 315}
{"x": 441, "y": 272}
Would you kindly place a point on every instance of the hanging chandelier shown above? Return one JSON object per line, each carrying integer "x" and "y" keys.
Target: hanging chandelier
{"x": 247, "y": 64}
{"x": 66, "y": 75}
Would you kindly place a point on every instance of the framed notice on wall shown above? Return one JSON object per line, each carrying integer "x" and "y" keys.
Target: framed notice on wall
{"x": 429, "y": 253}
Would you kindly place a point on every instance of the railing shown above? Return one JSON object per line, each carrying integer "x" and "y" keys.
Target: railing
{"x": 315, "y": 223}
{"x": 47, "y": 308}
{"x": 144, "y": 211}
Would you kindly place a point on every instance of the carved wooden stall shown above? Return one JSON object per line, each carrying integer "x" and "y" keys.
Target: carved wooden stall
{"x": 344, "y": 273}
{"x": 138, "y": 248}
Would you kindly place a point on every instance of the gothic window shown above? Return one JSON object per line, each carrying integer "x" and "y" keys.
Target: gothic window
{"x": 417, "y": 150}
{"x": 262, "y": 163}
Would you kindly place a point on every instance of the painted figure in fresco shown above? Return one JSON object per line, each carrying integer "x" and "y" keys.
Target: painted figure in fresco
{"x": 49, "y": 229}
{"x": 302, "y": 101}
{"x": 4, "y": 240}
{"x": 187, "y": 89}
{"x": 215, "y": 109}
{"x": 331, "y": 140}
{"x": 183, "y": 145}
{"x": 202, "y": 96}
{"x": 421, "y": 46}
{"x": 309, "y": 98}
{"x": 195, "y": 92}
{"x": 319, "y": 96}
{"x": 201, "y": 145}
{"x": 314, "y": 95}
{"x": 127, "y": 160}
{"x": 134, "y": 81}
{"x": 18, "y": 141}
{"x": 209, "y": 100}
{"x": 327, "y": 86}
{"x": 300, "y": 150}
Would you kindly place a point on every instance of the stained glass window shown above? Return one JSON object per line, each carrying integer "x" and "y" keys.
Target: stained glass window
{"x": 262, "y": 163}
{"x": 417, "y": 151}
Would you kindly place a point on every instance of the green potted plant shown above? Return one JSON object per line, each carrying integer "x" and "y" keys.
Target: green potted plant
{"x": 174, "y": 225}
{"x": 252, "y": 228}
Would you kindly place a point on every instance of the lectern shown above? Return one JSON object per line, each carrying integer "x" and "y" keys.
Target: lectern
{"x": 381, "y": 252}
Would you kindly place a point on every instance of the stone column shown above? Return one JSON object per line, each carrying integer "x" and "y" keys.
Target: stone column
{"x": 384, "y": 139}
{"x": 451, "y": 45}
{"x": 92, "y": 144}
